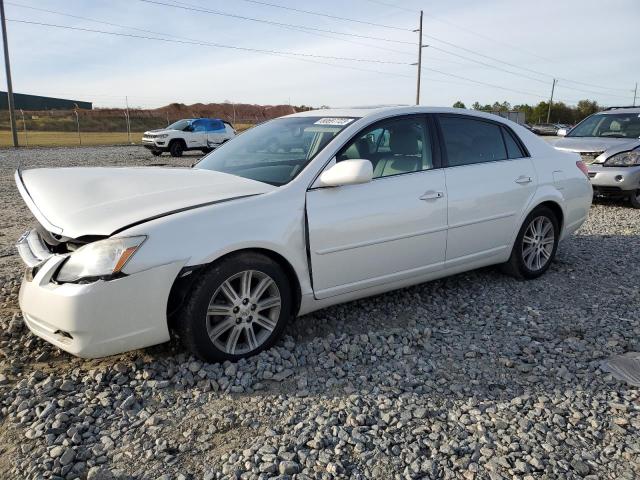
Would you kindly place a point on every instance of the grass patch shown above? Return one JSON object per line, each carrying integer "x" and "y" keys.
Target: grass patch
{"x": 70, "y": 139}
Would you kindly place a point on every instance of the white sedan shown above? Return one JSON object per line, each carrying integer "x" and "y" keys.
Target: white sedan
{"x": 296, "y": 214}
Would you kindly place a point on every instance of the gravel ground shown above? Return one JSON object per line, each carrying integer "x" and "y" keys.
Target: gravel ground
{"x": 474, "y": 376}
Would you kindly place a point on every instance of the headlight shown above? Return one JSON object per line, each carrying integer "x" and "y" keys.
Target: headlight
{"x": 100, "y": 259}
{"x": 624, "y": 159}
{"x": 164, "y": 135}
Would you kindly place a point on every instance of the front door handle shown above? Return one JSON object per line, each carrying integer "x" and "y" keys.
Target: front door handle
{"x": 523, "y": 179}
{"x": 432, "y": 195}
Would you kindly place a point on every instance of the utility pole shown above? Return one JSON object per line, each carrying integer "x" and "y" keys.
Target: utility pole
{"x": 419, "y": 58}
{"x": 126, "y": 99}
{"x": 553, "y": 87}
{"x": 7, "y": 67}
{"x": 635, "y": 94}
{"x": 78, "y": 124}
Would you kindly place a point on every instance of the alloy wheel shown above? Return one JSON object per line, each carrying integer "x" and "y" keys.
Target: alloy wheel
{"x": 243, "y": 312}
{"x": 538, "y": 243}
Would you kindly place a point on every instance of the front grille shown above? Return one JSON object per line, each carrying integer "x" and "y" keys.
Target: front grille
{"x": 32, "y": 249}
{"x": 590, "y": 157}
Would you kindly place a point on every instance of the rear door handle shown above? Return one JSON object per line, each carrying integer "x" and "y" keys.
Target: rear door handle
{"x": 523, "y": 179}
{"x": 432, "y": 195}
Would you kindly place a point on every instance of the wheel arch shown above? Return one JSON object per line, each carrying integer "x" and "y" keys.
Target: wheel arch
{"x": 187, "y": 276}
{"x": 177, "y": 139}
{"x": 555, "y": 208}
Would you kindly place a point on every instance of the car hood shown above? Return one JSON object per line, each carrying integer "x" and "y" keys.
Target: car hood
{"x": 160, "y": 131}
{"x": 75, "y": 202}
{"x": 596, "y": 144}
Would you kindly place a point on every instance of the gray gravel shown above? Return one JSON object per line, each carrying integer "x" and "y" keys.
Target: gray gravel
{"x": 474, "y": 376}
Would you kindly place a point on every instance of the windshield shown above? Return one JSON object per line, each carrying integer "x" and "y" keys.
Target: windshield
{"x": 179, "y": 125}
{"x": 617, "y": 125}
{"x": 276, "y": 151}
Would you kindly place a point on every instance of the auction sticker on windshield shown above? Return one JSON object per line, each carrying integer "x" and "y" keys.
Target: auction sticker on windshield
{"x": 334, "y": 121}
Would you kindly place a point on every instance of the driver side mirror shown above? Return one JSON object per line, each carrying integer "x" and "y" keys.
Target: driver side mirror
{"x": 562, "y": 132}
{"x": 347, "y": 172}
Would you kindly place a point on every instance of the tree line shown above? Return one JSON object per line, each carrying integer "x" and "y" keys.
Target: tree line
{"x": 560, "y": 112}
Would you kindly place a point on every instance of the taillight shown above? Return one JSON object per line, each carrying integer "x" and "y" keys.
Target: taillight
{"x": 583, "y": 168}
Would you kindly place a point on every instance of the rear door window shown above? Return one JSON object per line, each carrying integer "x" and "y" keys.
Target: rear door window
{"x": 468, "y": 141}
{"x": 215, "y": 125}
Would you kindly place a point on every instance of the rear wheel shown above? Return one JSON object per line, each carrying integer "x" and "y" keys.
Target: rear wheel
{"x": 535, "y": 246}
{"x": 176, "y": 148}
{"x": 238, "y": 308}
{"x": 634, "y": 199}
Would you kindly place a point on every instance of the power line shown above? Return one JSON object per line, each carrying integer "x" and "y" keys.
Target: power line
{"x": 460, "y": 77}
{"x": 326, "y": 15}
{"x": 187, "y": 38}
{"x": 486, "y": 64}
{"x": 537, "y": 72}
{"x": 195, "y": 8}
{"x": 393, "y": 6}
{"x": 293, "y": 55}
{"x": 523, "y": 75}
{"x": 464, "y": 29}
{"x": 486, "y": 37}
{"x": 209, "y": 44}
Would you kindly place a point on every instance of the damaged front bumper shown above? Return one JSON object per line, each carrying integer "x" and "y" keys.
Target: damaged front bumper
{"x": 99, "y": 318}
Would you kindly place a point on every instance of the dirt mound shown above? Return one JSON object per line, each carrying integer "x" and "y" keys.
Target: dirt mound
{"x": 243, "y": 112}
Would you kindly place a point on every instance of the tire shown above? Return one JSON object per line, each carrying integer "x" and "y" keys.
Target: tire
{"x": 176, "y": 148}
{"x": 634, "y": 199}
{"x": 525, "y": 263}
{"x": 156, "y": 153}
{"x": 237, "y": 329}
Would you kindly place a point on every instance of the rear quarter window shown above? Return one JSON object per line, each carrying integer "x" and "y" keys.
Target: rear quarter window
{"x": 513, "y": 147}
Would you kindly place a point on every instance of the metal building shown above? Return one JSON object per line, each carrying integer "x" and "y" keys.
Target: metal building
{"x": 36, "y": 102}
{"x": 513, "y": 115}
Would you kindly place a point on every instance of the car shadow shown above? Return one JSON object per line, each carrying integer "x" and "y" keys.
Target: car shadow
{"x": 489, "y": 334}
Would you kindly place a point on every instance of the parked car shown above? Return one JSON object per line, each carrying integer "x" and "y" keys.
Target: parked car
{"x": 203, "y": 134}
{"x": 609, "y": 144}
{"x": 225, "y": 253}
{"x": 545, "y": 128}
{"x": 563, "y": 129}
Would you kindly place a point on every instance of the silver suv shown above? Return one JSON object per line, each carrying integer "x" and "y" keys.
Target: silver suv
{"x": 609, "y": 143}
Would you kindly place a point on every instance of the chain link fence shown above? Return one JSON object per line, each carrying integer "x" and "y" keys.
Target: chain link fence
{"x": 123, "y": 126}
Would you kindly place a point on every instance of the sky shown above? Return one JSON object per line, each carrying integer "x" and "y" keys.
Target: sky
{"x": 486, "y": 51}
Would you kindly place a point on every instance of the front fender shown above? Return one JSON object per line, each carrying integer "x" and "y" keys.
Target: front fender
{"x": 272, "y": 222}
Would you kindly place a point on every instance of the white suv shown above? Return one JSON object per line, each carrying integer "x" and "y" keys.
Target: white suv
{"x": 203, "y": 134}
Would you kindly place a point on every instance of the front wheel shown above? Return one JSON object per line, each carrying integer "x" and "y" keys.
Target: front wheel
{"x": 634, "y": 199}
{"x": 535, "y": 246}
{"x": 176, "y": 149}
{"x": 236, "y": 309}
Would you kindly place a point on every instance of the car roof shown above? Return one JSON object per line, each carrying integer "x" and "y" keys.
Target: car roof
{"x": 363, "y": 112}
{"x": 616, "y": 110}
